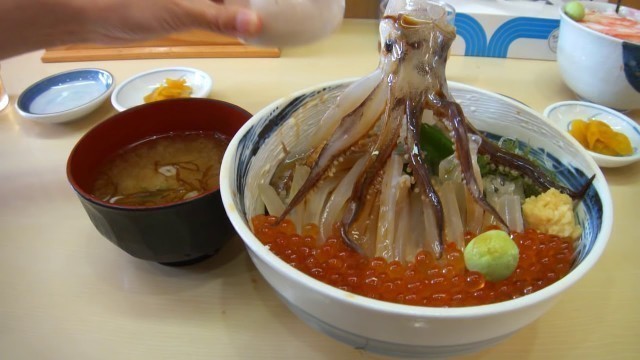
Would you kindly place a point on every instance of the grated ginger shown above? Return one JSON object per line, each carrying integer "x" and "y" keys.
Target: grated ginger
{"x": 551, "y": 212}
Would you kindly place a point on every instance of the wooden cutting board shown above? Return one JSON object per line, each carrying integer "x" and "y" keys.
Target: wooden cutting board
{"x": 192, "y": 44}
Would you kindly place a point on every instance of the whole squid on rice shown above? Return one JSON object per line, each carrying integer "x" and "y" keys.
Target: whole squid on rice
{"x": 394, "y": 165}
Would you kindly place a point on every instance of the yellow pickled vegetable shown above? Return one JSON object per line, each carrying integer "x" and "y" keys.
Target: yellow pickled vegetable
{"x": 579, "y": 131}
{"x": 598, "y": 136}
{"x": 170, "y": 89}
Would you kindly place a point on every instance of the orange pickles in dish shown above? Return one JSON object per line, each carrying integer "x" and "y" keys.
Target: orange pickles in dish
{"x": 598, "y": 136}
{"x": 426, "y": 281}
{"x": 170, "y": 89}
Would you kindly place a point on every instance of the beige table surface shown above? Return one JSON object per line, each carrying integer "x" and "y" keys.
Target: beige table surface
{"x": 67, "y": 293}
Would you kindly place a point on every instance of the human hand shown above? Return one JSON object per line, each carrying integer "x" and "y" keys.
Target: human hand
{"x": 115, "y": 21}
{"x": 29, "y": 25}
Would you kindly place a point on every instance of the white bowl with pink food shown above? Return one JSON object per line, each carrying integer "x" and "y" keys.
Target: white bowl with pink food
{"x": 599, "y": 56}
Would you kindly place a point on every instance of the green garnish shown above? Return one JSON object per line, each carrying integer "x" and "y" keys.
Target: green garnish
{"x": 574, "y": 10}
{"x": 435, "y": 144}
{"x": 493, "y": 254}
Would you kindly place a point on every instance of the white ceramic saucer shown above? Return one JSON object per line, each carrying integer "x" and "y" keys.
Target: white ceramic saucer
{"x": 65, "y": 96}
{"x": 563, "y": 113}
{"x": 133, "y": 90}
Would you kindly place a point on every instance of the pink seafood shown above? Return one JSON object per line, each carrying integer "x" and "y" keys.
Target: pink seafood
{"x": 612, "y": 24}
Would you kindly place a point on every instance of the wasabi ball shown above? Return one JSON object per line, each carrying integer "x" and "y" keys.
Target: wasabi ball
{"x": 574, "y": 10}
{"x": 493, "y": 254}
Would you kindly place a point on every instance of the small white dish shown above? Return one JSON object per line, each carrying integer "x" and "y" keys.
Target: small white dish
{"x": 563, "y": 113}
{"x": 65, "y": 96}
{"x": 133, "y": 90}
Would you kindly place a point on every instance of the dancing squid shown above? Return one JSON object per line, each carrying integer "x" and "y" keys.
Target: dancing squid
{"x": 367, "y": 147}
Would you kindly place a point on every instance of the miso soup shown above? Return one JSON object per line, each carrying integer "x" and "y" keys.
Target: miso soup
{"x": 162, "y": 169}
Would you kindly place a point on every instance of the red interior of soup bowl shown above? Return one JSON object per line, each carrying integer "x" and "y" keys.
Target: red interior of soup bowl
{"x": 144, "y": 121}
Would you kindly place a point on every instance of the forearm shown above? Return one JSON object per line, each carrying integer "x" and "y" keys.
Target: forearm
{"x": 28, "y": 25}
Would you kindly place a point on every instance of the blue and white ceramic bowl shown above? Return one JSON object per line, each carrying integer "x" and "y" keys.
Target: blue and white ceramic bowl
{"x": 395, "y": 329}
{"x": 564, "y": 113}
{"x": 65, "y": 96}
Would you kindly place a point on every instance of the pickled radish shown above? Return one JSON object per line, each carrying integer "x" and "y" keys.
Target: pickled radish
{"x": 598, "y": 136}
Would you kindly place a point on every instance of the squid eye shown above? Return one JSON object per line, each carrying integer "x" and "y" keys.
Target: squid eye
{"x": 388, "y": 45}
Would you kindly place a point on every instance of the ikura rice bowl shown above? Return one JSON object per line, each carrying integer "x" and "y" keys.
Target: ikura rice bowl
{"x": 398, "y": 197}
{"x": 319, "y": 297}
{"x": 371, "y": 204}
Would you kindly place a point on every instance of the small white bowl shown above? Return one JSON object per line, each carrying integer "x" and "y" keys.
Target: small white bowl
{"x": 563, "y": 113}
{"x": 133, "y": 90}
{"x": 65, "y": 96}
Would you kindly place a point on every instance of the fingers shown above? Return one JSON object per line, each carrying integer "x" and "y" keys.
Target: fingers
{"x": 247, "y": 23}
{"x": 117, "y": 21}
{"x": 228, "y": 19}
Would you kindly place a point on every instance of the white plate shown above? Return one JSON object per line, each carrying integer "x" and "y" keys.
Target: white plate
{"x": 563, "y": 113}
{"x": 132, "y": 92}
{"x": 65, "y": 96}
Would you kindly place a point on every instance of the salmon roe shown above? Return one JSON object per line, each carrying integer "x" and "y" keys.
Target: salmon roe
{"x": 426, "y": 281}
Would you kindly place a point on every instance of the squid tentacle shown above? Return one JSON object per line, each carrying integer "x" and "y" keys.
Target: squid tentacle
{"x": 455, "y": 115}
{"x": 503, "y": 157}
{"x": 351, "y": 99}
{"x": 383, "y": 149}
{"x": 351, "y": 129}
{"x": 420, "y": 170}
